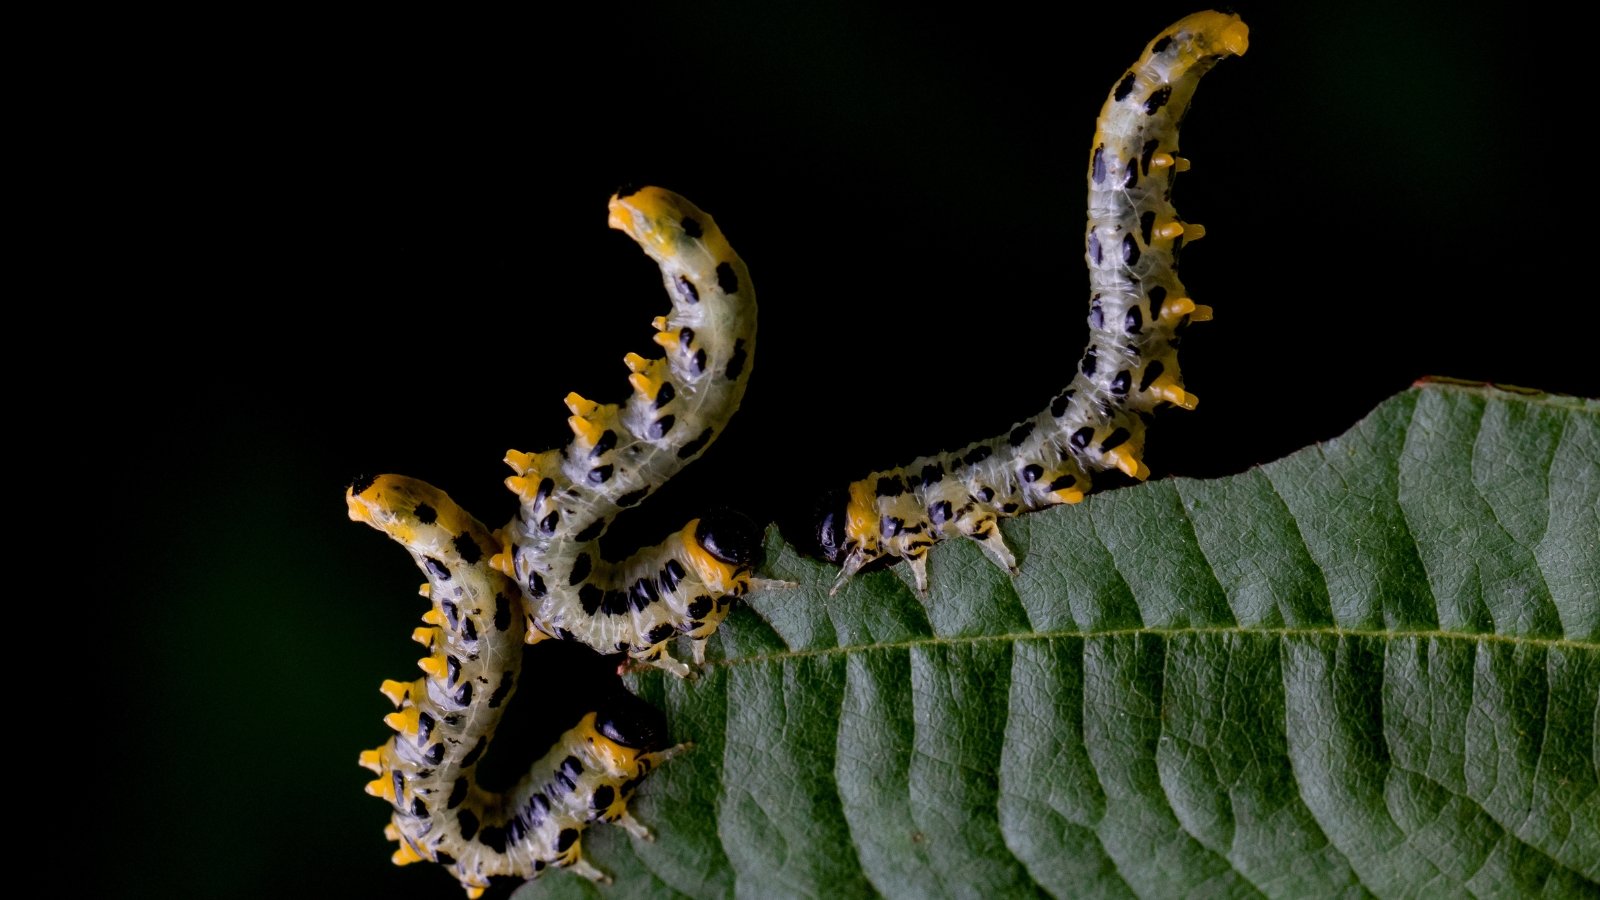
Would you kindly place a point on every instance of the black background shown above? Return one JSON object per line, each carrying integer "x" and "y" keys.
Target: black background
{"x": 378, "y": 244}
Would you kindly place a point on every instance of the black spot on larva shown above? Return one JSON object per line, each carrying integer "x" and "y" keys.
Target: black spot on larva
{"x": 546, "y": 485}
{"x": 426, "y": 514}
{"x": 565, "y": 634}
{"x": 665, "y": 395}
{"x": 515, "y": 830}
{"x": 977, "y": 455}
{"x": 633, "y": 497}
{"x": 1134, "y": 321}
{"x": 472, "y": 755}
{"x": 418, "y": 808}
{"x": 1094, "y": 246}
{"x": 985, "y": 493}
{"x": 1020, "y": 434}
{"x": 687, "y": 290}
{"x": 1146, "y": 153}
{"x": 940, "y": 512}
{"x": 580, "y": 568}
{"x": 493, "y": 837}
{"x": 564, "y": 781}
{"x": 736, "y": 360}
{"x": 603, "y": 797}
{"x": 686, "y": 338}
{"x": 671, "y": 574}
{"x": 932, "y": 473}
{"x": 889, "y": 486}
{"x": 1082, "y": 437}
{"x": 1089, "y": 361}
{"x": 437, "y": 569}
{"x": 591, "y": 532}
{"x": 1058, "y": 406}
{"x": 500, "y": 691}
{"x": 469, "y": 630}
{"x": 452, "y": 670}
{"x": 451, "y": 613}
{"x": 434, "y": 755}
{"x": 1097, "y": 316}
{"x": 538, "y": 807}
{"x": 1147, "y": 224}
{"x": 1161, "y": 44}
{"x": 548, "y": 525}
{"x": 1151, "y": 373}
{"x": 726, "y": 279}
{"x": 1032, "y": 472}
{"x": 1156, "y": 295}
{"x": 1010, "y": 509}
{"x": 1132, "y": 179}
{"x": 1119, "y": 384}
{"x": 700, "y": 607}
{"x": 589, "y": 597}
{"x": 566, "y": 839}
{"x": 660, "y": 633}
{"x": 660, "y": 427}
{"x": 536, "y": 585}
{"x": 1065, "y": 481}
{"x": 458, "y": 793}
{"x": 464, "y": 696}
{"x": 889, "y": 526}
{"x": 571, "y": 767}
{"x": 1158, "y": 100}
{"x": 607, "y": 442}
{"x": 425, "y": 723}
{"x": 1124, "y": 87}
{"x": 467, "y": 548}
{"x": 399, "y": 784}
{"x": 360, "y": 483}
{"x": 1115, "y": 439}
{"x": 616, "y": 603}
{"x": 642, "y": 593}
{"x": 600, "y": 474}
{"x": 695, "y": 446}
{"x": 1130, "y": 250}
{"x": 1097, "y": 164}
{"x": 691, "y": 227}
{"x": 468, "y": 823}
{"x": 700, "y": 361}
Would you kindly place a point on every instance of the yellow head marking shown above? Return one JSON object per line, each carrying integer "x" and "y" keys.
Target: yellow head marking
{"x": 717, "y": 574}
{"x": 861, "y": 514}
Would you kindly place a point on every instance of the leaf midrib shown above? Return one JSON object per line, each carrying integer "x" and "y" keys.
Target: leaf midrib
{"x": 1282, "y": 633}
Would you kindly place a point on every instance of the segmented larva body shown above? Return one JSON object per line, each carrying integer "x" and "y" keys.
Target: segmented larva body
{"x": 445, "y": 720}
{"x": 1138, "y": 310}
{"x": 619, "y": 454}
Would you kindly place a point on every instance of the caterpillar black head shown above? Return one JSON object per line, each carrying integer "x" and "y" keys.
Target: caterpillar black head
{"x": 730, "y": 536}
{"x": 832, "y": 539}
{"x": 631, "y": 722}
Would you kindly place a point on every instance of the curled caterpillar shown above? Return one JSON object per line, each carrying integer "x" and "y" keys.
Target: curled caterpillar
{"x": 1138, "y": 311}
{"x": 621, "y": 453}
{"x": 444, "y": 720}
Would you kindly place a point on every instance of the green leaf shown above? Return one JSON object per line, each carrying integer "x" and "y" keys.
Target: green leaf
{"x": 1369, "y": 668}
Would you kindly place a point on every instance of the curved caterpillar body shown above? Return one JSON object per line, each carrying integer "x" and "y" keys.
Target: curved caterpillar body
{"x": 1138, "y": 310}
{"x": 619, "y": 454}
{"x": 444, "y": 720}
